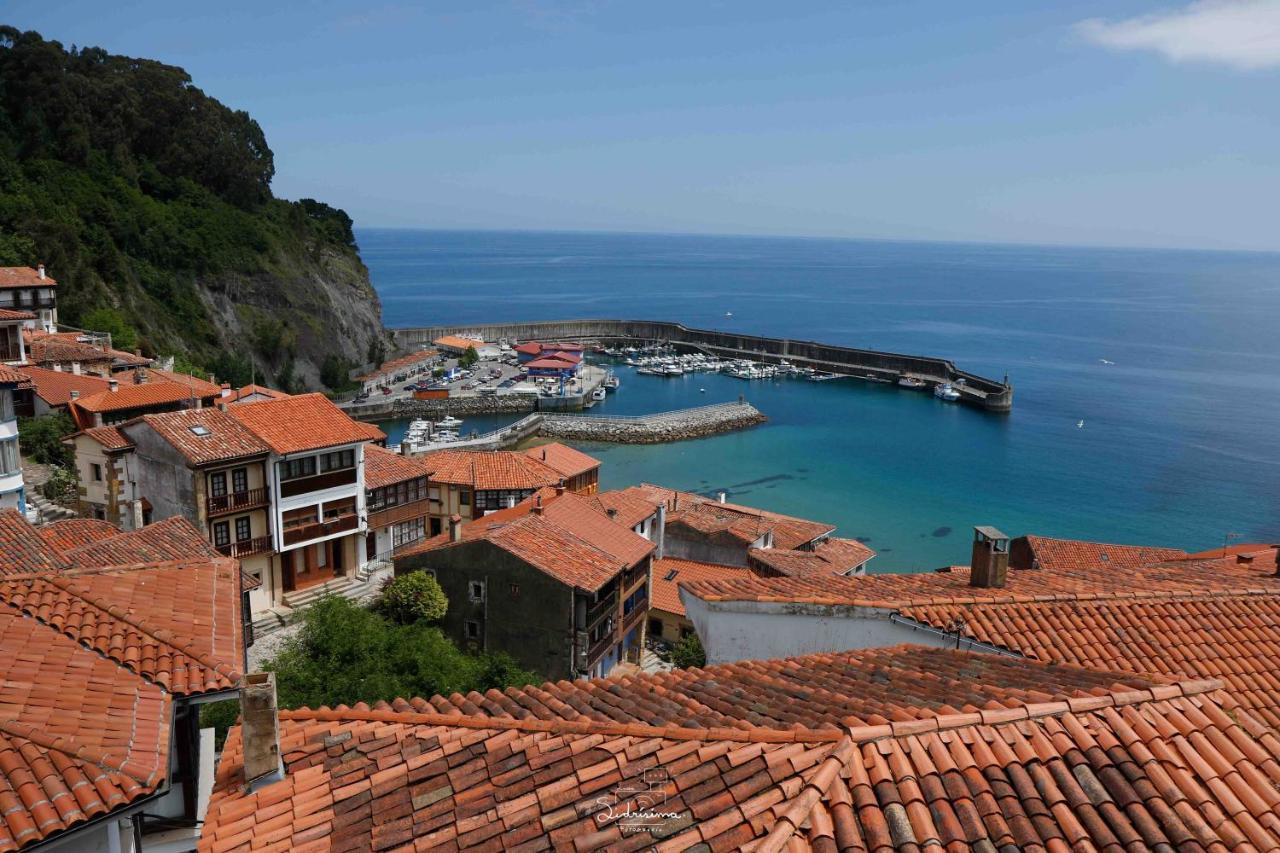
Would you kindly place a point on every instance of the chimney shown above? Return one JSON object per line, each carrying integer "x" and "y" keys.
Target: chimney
{"x": 137, "y": 351}
{"x": 226, "y": 389}
{"x": 455, "y": 528}
{"x": 260, "y": 730}
{"x": 560, "y": 487}
{"x": 113, "y": 385}
{"x": 75, "y": 368}
{"x": 721, "y": 496}
{"x": 544, "y": 454}
{"x": 660, "y": 533}
{"x": 537, "y": 504}
{"x": 57, "y": 368}
{"x": 40, "y": 271}
{"x": 136, "y": 510}
{"x": 75, "y": 395}
{"x": 139, "y": 375}
{"x": 212, "y": 378}
{"x": 989, "y": 567}
{"x": 97, "y": 419}
{"x": 612, "y": 512}
{"x": 1244, "y": 559}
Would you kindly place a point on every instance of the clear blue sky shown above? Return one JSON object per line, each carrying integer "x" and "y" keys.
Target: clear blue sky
{"x": 1122, "y": 123}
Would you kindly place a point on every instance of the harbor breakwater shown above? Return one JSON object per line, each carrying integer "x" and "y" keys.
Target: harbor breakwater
{"x": 992, "y": 395}
{"x": 678, "y": 425}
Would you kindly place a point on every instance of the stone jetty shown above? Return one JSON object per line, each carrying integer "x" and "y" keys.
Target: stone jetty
{"x": 653, "y": 429}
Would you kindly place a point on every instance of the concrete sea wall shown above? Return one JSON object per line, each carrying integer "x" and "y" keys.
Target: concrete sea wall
{"x": 976, "y": 390}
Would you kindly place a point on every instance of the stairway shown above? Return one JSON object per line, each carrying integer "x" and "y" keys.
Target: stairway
{"x": 343, "y": 586}
{"x": 46, "y": 509}
{"x": 272, "y": 620}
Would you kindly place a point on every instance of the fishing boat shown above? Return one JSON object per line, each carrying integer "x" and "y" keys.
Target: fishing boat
{"x": 449, "y": 422}
{"x": 599, "y": 394}
{"x": 911, "y": 382}
{"x": 612, "y": 382}
{"x": 945, "y": 391}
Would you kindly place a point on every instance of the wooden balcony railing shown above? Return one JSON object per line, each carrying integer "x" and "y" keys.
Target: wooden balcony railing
{"x": 600, "y": 646}
{"x": 247, "y": 547}
{"x": 605, "y": 607}
{"x": 237, "y": 501}
{"x": 318, "y": 482}
{"x": 307, "y": 532}
{"x": 637, "y": 613}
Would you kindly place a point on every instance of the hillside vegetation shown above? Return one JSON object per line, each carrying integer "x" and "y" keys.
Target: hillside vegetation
{"x": 151, "y": 204}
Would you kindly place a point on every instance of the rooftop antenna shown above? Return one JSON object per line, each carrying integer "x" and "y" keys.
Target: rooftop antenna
{"x": 1227, "y": 537}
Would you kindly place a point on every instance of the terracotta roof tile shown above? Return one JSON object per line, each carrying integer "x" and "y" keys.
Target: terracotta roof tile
{"x": 788, "y": 531}
{"x": 259, "y": 391}
{"x": 25, "y": 277}
{"x": 202, "y": 387}
{"x": 831, "y": 556}
{"x": 74, "y": 532}
{"x": 563, "y": 459}
{"x": 130, "y": 396}
{"x": 669, "y": 573}
{"x": 394, "y": 364}
{"x": 109, "y": 437}
{"x": 171, "y": 539}
{"x": 457, "y": 342}
{"x": 1059, "y": 768}
{"x": 22, "y": 551}
{"x": 383, "y": 468}
{"x": 202, "y": 436}
{"x": 52, "y": 348}
{"x": 1076, "y": 554}
{"x": 55, "y": 386}
{"x": 304, "y": 422}
{"x": 10, "y": 376}
{"x": 629, "y": 506}
{"x": 490, "y": 470}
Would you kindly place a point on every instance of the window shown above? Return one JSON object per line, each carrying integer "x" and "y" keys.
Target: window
{"x": 322, "y": 555}
{"x": 97, "y": 471}
{"x": 299, "y": 517}
{"x": 337, "y": 509}
{"x": 515, "y": 590}
{"x": 475, "y": 591}
{"x": 200, "y": 430}
{"x": 9, "y": 460}
{"x": 464, "y": 497}
{"x": 244, "y": 530}
{"x": 338, "y": 460}
{"x": 218, "y": 484}
{"x": 221, "y": 533}
{"x": 472, "y": 628}
{"x": 240, "y": 480}
{"x": 407, "y": 532}
{"x": 655, "y": 628}
{"x": 292, "y": 469}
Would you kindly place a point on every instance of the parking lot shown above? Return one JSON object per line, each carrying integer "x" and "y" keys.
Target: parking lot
{"x": 485, "y": 376}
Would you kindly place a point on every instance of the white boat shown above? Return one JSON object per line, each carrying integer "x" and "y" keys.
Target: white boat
{"x": 911, "y": 382}
{"x": 1080, "y": 425}
{"x": 672, "y": 370}
{"x": 449, "y": 422}
{"x": 945, "y": 391}
{"x": 599, "y": 394}
{"x": 612, "y": 382}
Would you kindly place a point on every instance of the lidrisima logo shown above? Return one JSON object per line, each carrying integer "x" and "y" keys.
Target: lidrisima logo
{"x": 639, "y": 805}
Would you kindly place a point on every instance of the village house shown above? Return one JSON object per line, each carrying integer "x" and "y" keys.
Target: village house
{"x": 105, "y": 491}
{"x": 110, "y": 643}
{"x": 13, "y": 492}
{"x": 127, "y": 399}
{"x": 668, "y": 621}
{"x": 53, "y": 390}
{"x": 470, "y": 483}
{"x": 553, "y": 582}
{"x": 900, "y": 749}
{"x": 33, "y": 292}
{"x": 396, "y": 500}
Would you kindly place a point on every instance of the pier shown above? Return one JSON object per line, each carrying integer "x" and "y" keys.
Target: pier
{"x": 979, "y": 391}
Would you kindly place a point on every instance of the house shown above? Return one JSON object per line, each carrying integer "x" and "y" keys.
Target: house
{"x": 580, "y": 472}
{"x": 405, "y": 368}
{"x": 553, "y": 582}
{"x": 457, "y": 344}
{"x": 87, "y": 352}
{"x": 255, "y": 394}
{"x": 109, "y": 646}
{"x": 667, "y": 618}
{"x": 899, "y": 749}
{"x": 106, "y": 491}
{"x": 556, "y": 365}
{"x": 13, "y": 493}
{"x": 470, "y": 483}
{"x": 396, "y": 500}
{"x": 125, "y": 401}
{"x": 30, "y": 291}
{"x": 53, "y": 390}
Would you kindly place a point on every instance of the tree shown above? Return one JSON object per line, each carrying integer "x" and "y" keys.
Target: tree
{"x": 344, "y": 654}
{"x": 413, "y": 597}
{"x": 335, "y": 372}
{"x": 469, "y": 357}
{"x": 41, "y": 439}
{"x": 688, "y": 652}
{"x": 123, "y": 335}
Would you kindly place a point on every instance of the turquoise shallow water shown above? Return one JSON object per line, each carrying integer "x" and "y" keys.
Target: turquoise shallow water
{"x": 1179, "y": 444}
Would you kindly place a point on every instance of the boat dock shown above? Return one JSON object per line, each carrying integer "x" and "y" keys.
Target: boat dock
{"x": 979, "y": 391}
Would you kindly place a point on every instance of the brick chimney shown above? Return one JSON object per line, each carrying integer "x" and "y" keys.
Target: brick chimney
{"x": 75, "y": 395}
{"x": 560, "y": 487}
{"x": 989, "y": 566}
{"x": 260, "y": 730}
{"x": 537, "y": 504}
{"x": 612, "y": 512}
{"x": 139, "y": 375}
{"x": 455, "y": 528}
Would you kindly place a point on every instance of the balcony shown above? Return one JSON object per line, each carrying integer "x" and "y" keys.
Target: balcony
{"x": 236, "y": 502}
{"x": 607, "y": 606}
{"x": 318, "y": 482}
{"x": 307, "y": 532}
{"x": 246, "y": 548}
{"x": 637, "y": 613}
{"x": 600, "y": 646}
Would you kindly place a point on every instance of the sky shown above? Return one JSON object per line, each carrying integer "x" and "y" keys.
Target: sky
{"x": 1096, "y": 123}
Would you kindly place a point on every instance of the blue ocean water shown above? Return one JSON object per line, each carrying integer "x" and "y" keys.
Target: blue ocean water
{"x": 1179, "y": 445}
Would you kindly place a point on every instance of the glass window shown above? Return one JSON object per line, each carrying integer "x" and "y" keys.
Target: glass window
{"x": 243, "y": 529}
{"x": 299, "y": 517}
{"x": 218, "y": 484}
{"x": 473, "y": 629}
{"x": 407, "y": 532}
{"x": 464, "y": 497}
{"x": 240, "y": 480}
{"x": 221, "y": 533}
{"x": 9, "y": 460}
{"x": 338, "y": 460}
{"x": 292, "y": 469}
{"x": 97, "y": 471}
{"x": 337, "y": 509}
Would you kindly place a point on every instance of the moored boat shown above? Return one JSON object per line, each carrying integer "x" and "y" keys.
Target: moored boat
{"x": 911, "y": 382}
{"x": 945, "y": 391}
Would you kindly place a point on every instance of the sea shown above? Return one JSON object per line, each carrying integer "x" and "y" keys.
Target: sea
{"x": 1147, "y": 382}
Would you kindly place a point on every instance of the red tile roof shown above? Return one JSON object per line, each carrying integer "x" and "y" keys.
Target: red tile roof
{"x": 130, "y": 396}
{"x": 669, "y": 572}
{"x": 565, "y": 460}
{"x": 24, "y": 277}
{"x": 577, "y": 515}
{"x": 392, "y": 365}
{"x": 171, "y": 539}
{"x": 203, "y": 387}
{"x": 629, "y": 506}
{"x": 832, "y": 556}
{"x": 1056, "y": 766}
{"x": 1075, "y": 554}
{"x": 383, "y": 468}
{"x": 555, "y": 361}
{"x": 10, "y": 376}
{"x": 241, "y": 394}
{"x": 74, "y": 532}
{"x": 304, "y": 422}
{"x": 220, "y": 437}
{"x": 952, "y": 585}
{"x": 109, "y": 437}
{"x": 457, "y": 342}
{"x": 788, "y": 531}
{"x": 55, "y": 386}
{"x": 79, "y": 736}
{"x": 490, "y": 470}
{"x": 22, "y": 550}
{"x": 51, "y": 348}
{"x": 10, "y": 314}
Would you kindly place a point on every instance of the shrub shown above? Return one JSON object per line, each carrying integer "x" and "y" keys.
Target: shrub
{"x": 41, "y": 439}
{"x": 413, "y": 597}
{"x": 469, "y": 357}
{"x": 688, "y": 653}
